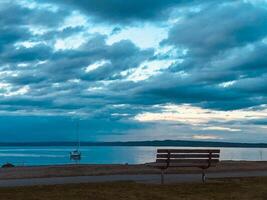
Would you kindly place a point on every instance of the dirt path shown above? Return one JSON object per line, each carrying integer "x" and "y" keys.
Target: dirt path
{"x": 146, "y": 178}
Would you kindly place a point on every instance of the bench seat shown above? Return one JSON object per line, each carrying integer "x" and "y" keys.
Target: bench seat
{"x": 199, "y": 158}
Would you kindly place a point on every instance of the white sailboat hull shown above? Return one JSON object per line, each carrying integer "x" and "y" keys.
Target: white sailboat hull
{"x": 75, "y": 155}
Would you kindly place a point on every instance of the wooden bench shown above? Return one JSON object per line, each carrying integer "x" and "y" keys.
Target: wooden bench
{"x": 199, "y": 158}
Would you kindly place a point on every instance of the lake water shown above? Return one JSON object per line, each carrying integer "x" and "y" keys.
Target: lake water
{"x": 110, "y": 155}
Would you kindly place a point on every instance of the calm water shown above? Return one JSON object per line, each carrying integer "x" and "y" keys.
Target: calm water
{"x": 106, "y": 155}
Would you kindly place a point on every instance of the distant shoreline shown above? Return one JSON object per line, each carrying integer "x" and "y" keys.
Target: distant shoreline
{"x": 156, "y": 143}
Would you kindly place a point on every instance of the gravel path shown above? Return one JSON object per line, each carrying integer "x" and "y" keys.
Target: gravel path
{"x": 148, "y": 178}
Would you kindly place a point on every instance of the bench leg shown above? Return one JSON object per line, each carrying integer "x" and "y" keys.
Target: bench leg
{"x": 203, "y": 176}
{"x": 162, "y": 176}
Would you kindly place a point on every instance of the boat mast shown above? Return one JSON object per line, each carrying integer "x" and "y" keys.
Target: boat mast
{"x": 78, "y": 136}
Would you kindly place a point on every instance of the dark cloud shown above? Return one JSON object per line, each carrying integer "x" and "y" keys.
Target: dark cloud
{"x": 224, "y": 68}
{"x": 10, "y": 35}
{"x": 122, "y": 55}
{"x": 71, "y": 64}
{"x": 12, "y": 14}
{"x": 217, "y": 28}
{"x": 16, "y": 22}
{"x": 57, "y": 128}
{"x": 23, "y": 54}
{"x": 116, "y": 30}
{"x": 120, "y": 11}
{"x": 222, "y": 48}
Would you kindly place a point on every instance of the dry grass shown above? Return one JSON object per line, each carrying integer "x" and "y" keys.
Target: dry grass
{"x": 220, "y": 189}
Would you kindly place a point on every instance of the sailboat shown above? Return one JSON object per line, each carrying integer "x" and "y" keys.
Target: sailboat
{"x": 76, "y": 154}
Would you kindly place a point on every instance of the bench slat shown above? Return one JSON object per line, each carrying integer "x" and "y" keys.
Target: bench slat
{"x": 187, "y": 160}
{"x": 200, "y": 165}
{"x": 188, "y": 150}
{"x": 165, "y": 155}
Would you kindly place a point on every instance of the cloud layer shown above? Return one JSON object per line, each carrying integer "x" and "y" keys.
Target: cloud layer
{"x": 65, "y": 61}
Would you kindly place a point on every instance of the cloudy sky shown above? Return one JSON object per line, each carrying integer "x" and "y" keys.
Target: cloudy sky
{"x": 133, "y": 70}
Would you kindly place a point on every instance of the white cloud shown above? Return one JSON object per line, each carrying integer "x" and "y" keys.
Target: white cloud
{"x": 23, "y": 90}
{"x": 96, "y": 65}
{"x": 227, "y": 84}
{"x": 205, "y": 137}
{"x": 193, "y": 115}
{"x": 23, "y": 65}
{"x": 147, "y": 69}
{"x": 146, "y": 36}
{"x": 7, "y": 90}
{"x": 4, "y": 86}
{"x": 27, "y": 44}
{"x": 30, "y": 4}
{"x": 120, "y": 114}
{"x": 38, "y": 30}
{"x": 72, "y": 42}
{"x": 92, "y": 89}
{"x": 219, "y": 128}
{"x": 74, "y": 80}
{"x": 74, "y": 20}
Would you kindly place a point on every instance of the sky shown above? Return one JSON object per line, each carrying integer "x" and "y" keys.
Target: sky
{"x": 133, "y": 70}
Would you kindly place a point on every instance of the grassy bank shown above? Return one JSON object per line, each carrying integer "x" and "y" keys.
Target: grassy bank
{"x": 221, "y": 189}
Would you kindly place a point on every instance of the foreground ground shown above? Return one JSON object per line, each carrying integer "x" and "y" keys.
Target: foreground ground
{"x": 88, "y": 170}
{"x": 138, "y": 178}
{"x": 219, "y": 189}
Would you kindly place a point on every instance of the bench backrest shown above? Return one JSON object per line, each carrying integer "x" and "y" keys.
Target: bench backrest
{"x": 202, "y": 158}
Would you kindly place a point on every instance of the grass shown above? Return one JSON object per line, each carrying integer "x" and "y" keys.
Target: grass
{"x": 219, "y": 189}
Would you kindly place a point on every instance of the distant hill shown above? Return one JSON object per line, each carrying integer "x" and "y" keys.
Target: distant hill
{"x": 159, "y": 143}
